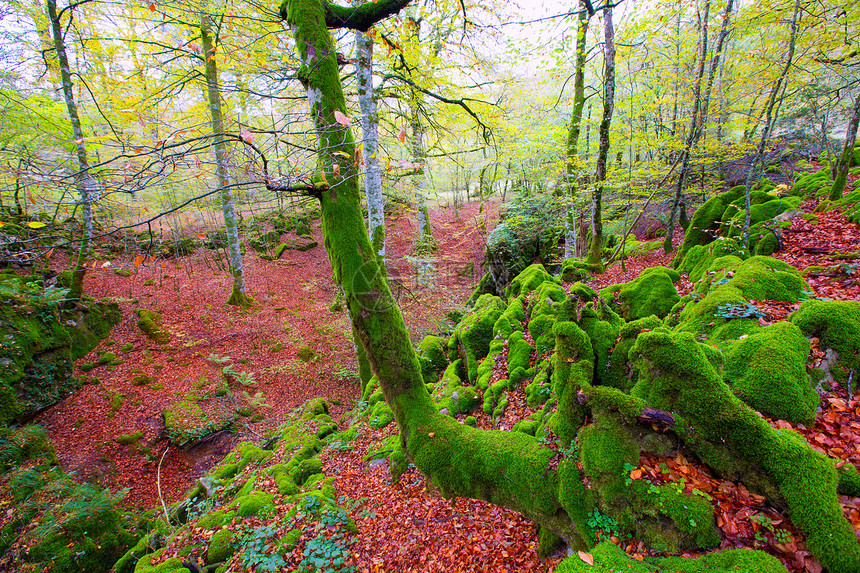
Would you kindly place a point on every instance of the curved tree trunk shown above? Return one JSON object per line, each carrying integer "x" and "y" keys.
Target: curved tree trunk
{"x": 506, "y": 468}
{"x": 238, "y": 296}
{"x": 87, "y": 188}
{"x": 595, "y": 247}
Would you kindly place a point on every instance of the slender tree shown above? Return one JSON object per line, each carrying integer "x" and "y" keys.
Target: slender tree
{"x": 370, "y": 142}
{"x": 572, "y": 227}
{"x": 87, "y": 188}
{"x": 771, "y": 110}
{"x": 238, "y": 296}
{"x": 595, "y": 247}
{"x": 692, "y": 130}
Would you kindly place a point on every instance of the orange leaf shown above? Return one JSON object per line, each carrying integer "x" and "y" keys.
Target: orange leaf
{"x": 586, "y": 557}
{"x": 201, "y": 236}
{"x": 402, "y": 135}
{"x": 431, "y": 434}
{"x": 49, "y": 253}
{"x": 151, "y": 7}
{"x": 336, "y": 169}
{"x": 139, "y": 260}
{"x": 163, "y": 264}
{"x": 247, "y": 135}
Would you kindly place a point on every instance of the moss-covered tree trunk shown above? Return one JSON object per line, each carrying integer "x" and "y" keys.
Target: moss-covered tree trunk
{"x": 692, "y": 130}
{"x": 572, "y": 150}
{"x": 503, "y": 467}
{"x": 87, "y": 188}
{"x": 847, "y": 150}
{"x": 595, "y": 247}
{"x": 238, "y": 295}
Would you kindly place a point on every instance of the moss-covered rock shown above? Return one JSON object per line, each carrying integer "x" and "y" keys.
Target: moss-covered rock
{"x": 39, "y": 342}
{"x": 609, "y": 558}
{"x": 56, "y": 523}
{"x": 837, "y": 325}
{"x": 149, "y": 321}
{"x": 706, "y": 221}
{"x": 652, "y": 292}
{"x": 729, "y": 284}
{"x": 472, "y": 336}
{"x": 530, "y": 229}
{"x": 767, "y": 370}
{"x": 432, "y": 354}
{"x": 677, "y": 375}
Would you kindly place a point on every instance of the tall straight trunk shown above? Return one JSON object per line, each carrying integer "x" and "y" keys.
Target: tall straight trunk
{"x": 676, "y": 83}
{"x": 419, "y": 158}
{"x": 87, "y": 188}
{"x": 370, "y": 141}
{"x": 847, "y": 151}
{"x": 771, "y": 111}
{"x": 716, "y": 63}
{"x": 238, "y": 295}
{"x": 692, "y": 129}
{"x": 572, "y": 151}
{"x": 595, "y": 247}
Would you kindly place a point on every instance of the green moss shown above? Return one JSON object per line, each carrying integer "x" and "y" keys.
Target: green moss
{"x": 306, "y": 469}
{"x": 472, "y": 336}
{"x": 129, "y": 439}
{"x": 519, "y": 352}
{"x": 837, "y": 325}
{"x": 172, "y": 565}
{"x": 432, "y": 354}
{"x": 706, "y": 221}
{"x": 572, "y": 367}
{"x": 575, "y": 270}
{"x": 221, "y": 546}
{"x": 732, "y": 282}
{"x": 677, "y": 376}
{"x": 315, "y": 407}
{"x": 652, "y": 292}
{"x": 149, "y": 321}
{"x": 609, "y": 558}
{"x": 253, "y": 503}
{"x": 767, "y": 370}
{"x": 511, "y": 319}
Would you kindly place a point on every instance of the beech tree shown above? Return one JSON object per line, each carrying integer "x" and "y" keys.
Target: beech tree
{"x": 516, "y": 469}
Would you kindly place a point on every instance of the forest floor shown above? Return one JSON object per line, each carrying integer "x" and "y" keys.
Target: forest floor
{"x": 404, "y": 526}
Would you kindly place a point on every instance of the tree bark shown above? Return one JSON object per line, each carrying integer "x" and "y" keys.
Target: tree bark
{"x": 87, "y": 188}
{"x": 771, "y": 111}
{"x": 431, "y": 439}
{"x": 692, "y": 130}
{"x": 238, "y": 295}
{"x": 847, "y": 151}
{"x": 595, "y": 248}
{"x": 370, "y": 140}
{"x": 572, "y": 151}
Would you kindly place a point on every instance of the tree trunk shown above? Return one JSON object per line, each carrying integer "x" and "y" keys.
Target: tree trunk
{"x": 847, "y": 152}
{"x": 437, "y": 444}
{"x": 595, "y": 248}
{"x": 370, "y": 140}
{"x": 692, "y": 130}
{"x": 771, "y": 111}
{"x": 572, "y": 151}
{"x": 238, "y": 295}
{"x": 86, "y": 186}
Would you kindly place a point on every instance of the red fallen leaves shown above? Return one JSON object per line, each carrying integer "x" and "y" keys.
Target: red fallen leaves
{"x": 405, "y": 527}
{"x": 806, "y": 244}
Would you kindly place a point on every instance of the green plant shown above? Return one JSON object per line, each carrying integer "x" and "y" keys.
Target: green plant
{"x": 329, "y": 548}
{"x": 258, "y": 549}
{"x": 603, "y": 526}
{"x": 739, "y": 310}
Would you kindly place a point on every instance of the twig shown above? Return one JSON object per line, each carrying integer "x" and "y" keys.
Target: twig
{"x": 158, "y": 483}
